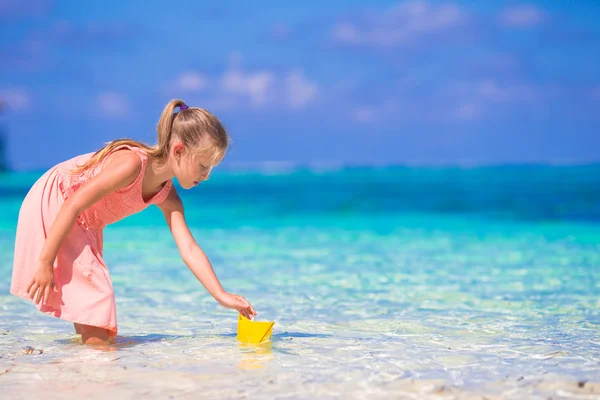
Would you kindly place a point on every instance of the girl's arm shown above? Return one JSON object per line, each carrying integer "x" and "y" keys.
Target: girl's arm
{"x": 120, "y": 170}
{"x": 196, "y": 260}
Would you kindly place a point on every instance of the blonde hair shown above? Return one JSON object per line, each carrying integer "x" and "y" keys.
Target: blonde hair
{"x": 198, "y": 130}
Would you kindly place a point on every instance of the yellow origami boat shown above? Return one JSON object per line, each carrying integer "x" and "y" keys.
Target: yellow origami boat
{"x": 253, "y": 331}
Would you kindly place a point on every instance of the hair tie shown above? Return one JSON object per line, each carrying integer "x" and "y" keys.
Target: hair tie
{"x": 183, "y": 107}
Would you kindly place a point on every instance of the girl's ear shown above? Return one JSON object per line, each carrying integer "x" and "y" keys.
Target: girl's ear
{"x": 178, "y": 150}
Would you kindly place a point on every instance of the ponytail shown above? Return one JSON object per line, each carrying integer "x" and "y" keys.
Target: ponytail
{"x": 195, "y": 125}
{"x": 165, "y": 128}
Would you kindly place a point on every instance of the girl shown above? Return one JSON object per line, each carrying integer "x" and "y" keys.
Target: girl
{"x": 58, "y": 249}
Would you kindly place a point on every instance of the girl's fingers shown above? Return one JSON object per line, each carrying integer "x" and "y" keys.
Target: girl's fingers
{"x": 47, "y": 293}
{"x": 252, "y": 310}
{"x": 32, "y": 289}
{"x": 39, "y": 296}
{"x": 30, "y": 285}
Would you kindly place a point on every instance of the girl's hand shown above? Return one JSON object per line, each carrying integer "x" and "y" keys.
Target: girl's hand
{"x": 237, "y": 302}
{"x": 42, "y": 284}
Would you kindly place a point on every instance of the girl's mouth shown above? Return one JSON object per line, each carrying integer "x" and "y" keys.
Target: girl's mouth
{"x": 195, "y": 183}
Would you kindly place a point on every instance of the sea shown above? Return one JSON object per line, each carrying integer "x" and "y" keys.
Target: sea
{"x": 382, "y": 282}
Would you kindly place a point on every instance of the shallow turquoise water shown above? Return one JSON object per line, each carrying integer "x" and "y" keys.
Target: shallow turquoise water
{"x": 381, "y": 282}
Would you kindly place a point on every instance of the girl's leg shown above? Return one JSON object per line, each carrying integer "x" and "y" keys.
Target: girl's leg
{"x": 94, "y": 335}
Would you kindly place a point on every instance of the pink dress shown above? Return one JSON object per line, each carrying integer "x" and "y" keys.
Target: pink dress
{"x": 83, "y": 288}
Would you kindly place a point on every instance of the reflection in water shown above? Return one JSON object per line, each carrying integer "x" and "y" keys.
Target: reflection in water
{"x": 121, "y": 342}
{"x": 256, "y": 356}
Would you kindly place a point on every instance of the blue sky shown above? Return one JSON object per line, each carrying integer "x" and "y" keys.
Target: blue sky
{"x": 336, "y": 82}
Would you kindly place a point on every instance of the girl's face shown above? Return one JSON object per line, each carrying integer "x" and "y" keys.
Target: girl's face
{"x": 191, "y": 169}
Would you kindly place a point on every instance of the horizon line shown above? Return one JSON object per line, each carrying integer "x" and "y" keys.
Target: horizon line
{"x": 289, "y": 166}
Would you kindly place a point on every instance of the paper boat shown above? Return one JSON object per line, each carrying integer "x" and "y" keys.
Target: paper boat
{"x": 253, "y": 331}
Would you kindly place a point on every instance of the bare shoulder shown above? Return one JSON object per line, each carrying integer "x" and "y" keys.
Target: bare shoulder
{"x": 123, "y": 159}
{"x": 172, "y": 202}
{"x": 119, "y": 171}
{"x": 123, "y": 166}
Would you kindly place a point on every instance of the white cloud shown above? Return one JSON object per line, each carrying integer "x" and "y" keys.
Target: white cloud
{"x": 489, "y": 89}
{"x": 521, "y": 16}
{"x": 256, "y": 86}
{"x": 280, "y": 31}
{"x": 402, "y": 25}
{"x": 299, "y": 90}
{"x": 17, "y": 99}
{"x": 112, "y": 105}
{"x": 237, "y": 87}
{"x": 477, "y": 98}
{"x": 190, "y": 82}
{"x": 346, "y": 32}
{"x": 467, "y": 112}
{"x": 364, "y": 114}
